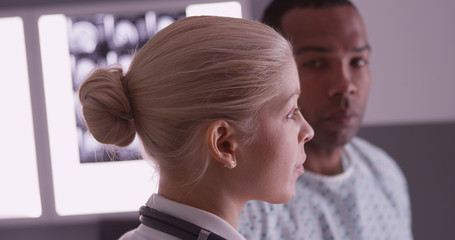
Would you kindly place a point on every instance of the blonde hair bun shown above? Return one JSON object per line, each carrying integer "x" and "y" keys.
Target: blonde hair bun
{"x": 107, "y": 108}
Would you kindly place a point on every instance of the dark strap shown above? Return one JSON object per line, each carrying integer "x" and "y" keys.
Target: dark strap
{"x": 173, "y": 226}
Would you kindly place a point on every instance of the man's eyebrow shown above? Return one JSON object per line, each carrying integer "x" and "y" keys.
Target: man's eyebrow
{"x": 367, "y": 47}
{"x": 319, "y": 49}
{"x": 306, "y": 49}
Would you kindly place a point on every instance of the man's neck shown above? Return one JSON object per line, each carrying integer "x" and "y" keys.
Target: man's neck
{"x": 325, "y": 161}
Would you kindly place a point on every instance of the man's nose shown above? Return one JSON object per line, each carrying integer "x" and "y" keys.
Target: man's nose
{"x": 341, "y": 81}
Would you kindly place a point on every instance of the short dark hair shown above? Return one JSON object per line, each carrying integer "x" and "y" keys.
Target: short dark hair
{"x": 277, "y": 8}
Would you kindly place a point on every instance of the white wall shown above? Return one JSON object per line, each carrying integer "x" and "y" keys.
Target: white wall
{"x": 413, "y": 65}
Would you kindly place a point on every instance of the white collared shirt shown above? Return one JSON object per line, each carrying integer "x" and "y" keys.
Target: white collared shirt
{"x": 190, "y": 214}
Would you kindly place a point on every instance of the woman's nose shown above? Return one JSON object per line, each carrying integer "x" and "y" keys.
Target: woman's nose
{"x": 306, "y": 131}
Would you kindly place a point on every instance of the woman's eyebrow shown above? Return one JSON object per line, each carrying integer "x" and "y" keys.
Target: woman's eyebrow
{"x": 295, "y": 93}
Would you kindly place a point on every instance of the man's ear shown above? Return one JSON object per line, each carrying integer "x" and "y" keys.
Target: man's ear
{"x": 222, "y": 143}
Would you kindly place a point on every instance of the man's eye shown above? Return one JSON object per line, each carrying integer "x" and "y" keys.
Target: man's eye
{"x": 294, "y": 112}
{"x": 359, "y": 62}
{"x": 315, "y": 63}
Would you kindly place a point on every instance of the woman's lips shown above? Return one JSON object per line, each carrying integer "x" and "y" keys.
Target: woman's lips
{"x": 300, "y": 167}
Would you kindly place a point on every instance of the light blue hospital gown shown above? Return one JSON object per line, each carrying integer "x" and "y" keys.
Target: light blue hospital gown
{"x": 368, "y": 201}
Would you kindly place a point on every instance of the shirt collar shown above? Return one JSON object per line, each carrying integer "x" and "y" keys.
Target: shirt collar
{"x": 196, "y": 216}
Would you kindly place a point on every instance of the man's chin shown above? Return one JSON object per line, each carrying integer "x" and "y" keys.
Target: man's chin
{"x": 331, "y": 140}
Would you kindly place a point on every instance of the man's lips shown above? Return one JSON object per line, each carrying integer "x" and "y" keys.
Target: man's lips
{"x": 342, "y": 117}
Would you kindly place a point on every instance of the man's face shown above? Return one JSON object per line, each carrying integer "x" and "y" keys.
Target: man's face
{"x": 332, "y": 54}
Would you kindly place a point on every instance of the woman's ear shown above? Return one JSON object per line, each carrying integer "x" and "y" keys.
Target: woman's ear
{"x": 221, "y": 143}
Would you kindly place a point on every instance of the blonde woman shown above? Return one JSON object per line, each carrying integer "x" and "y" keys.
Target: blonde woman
{"x": 214, "y": 103}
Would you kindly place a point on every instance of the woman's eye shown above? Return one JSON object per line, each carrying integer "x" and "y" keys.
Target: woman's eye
{"x": 294, "y": 112}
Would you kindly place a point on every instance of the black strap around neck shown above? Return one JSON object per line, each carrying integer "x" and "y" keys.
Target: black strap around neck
{"x": 173, "y": 226}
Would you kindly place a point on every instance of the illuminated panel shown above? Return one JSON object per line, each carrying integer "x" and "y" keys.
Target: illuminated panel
{"x": 19, "y": 189}
{"x": 86, "y": 180}
{"x": 81, "y": 188}
{"x": 226, "y": 9}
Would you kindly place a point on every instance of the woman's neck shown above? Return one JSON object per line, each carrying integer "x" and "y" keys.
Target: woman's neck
{"x": 208, "y": 196}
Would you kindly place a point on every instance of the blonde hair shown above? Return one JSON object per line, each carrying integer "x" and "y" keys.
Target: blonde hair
{"x": 193, "y": 72}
